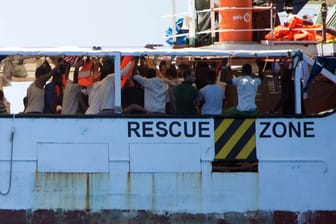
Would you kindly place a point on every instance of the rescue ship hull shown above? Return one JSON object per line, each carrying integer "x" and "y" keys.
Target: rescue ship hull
{"x": 160, "y": 168}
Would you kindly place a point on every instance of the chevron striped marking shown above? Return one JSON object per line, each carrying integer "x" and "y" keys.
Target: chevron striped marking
{"x": 235, "y": 138}
{"x": 248, "y": 148}
{"x": 222, "y": 128}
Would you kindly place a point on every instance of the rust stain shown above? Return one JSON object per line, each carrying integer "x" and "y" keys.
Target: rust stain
{"x": 128, "y": 189}
{"x": 153, "y": 193}
{"x": 62, "y": 190}
{"x": 145, "y": 216}
{"x": 87, "y": 196}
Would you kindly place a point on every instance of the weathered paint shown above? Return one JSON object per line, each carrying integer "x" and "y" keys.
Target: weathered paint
{"x": 295, "y": 167}
{"x": 79, "y": 191}
{"x": 127, "y": 216}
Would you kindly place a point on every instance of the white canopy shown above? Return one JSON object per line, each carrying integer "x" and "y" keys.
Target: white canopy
{"x": 164, "y": 51}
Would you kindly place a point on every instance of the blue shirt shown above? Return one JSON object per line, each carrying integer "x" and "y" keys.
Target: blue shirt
{"x": 213, "y": 96}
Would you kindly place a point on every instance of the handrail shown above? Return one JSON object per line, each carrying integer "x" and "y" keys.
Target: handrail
{"x": 212, "y": 30}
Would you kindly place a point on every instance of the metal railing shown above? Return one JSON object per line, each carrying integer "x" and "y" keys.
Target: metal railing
{"x": 193, "y": 13}
{"x": 213, "y": 29}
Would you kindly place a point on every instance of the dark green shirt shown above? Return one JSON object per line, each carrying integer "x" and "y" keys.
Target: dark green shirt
{"x": 185, "y": 96}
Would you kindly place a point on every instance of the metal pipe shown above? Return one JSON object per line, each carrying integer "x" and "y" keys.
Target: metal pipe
{"x": 10, "y": 164}
{"x": 297, "y": 85}
{"x": 324, "y": 11}
{"x": 212, "y": 21}
{"x": 117, "y": 78}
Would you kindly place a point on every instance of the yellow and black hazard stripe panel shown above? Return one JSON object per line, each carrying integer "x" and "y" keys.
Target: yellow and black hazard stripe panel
{"x": 235, "y": 139}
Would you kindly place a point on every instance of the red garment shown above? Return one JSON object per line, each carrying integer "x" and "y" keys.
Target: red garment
{"x": 84, "y": 75}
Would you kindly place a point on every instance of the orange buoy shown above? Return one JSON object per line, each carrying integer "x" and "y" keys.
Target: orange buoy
{"x": 237, "y": 16}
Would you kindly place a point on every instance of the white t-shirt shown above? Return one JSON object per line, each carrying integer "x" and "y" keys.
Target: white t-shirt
{"x": 247, "y": 90}
{"x": 107, "y": 88}
{"x": 156, "y": 93}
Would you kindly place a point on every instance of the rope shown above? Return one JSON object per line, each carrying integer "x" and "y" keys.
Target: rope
{"x": 10, "y": 167}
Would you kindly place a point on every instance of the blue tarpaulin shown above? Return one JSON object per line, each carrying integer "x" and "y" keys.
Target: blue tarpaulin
{"x": 328, "y": 63}
{"x": 179, "y": 40}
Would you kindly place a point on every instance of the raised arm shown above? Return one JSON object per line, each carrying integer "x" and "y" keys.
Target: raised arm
{"x": 139, "y": 79}
{"x": 41, "y": 80}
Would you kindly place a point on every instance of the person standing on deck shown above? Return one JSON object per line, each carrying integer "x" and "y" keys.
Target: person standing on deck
{"x": 246, "y": 90}
{"x": 132, "y": 98}
{"x": 91, "y": 66}
{"x": 53, "y": 91}
{"x": 172, "y": 81}
{"x": 287, "y": 97}
{"x": 35, "y": 92}
{"x": 156, "y": 91}
{"x": 212, "y": 95}
{"x": 107, "y": 89}
{"x": 71, "y": 95}
{"x": 186, "y": 95}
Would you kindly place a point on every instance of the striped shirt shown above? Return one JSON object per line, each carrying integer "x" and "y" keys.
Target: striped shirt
{"x": 3, "y": 109}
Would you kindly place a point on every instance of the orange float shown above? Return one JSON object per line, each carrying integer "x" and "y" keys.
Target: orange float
{"x": 237, "y": 17}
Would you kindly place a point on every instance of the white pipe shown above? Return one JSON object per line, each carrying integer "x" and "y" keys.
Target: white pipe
{"x": 297, "y": 86}
{"x": 212, "y": 21}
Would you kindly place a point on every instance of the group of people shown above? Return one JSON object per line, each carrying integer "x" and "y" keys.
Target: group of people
{"x": 193, "y": 89}
{"x": 166, "y": 88}
{"x": 90, "y": 91}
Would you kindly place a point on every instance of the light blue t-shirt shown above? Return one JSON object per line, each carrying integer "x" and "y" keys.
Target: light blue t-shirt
{"x": 213, "y": 96}
{"x": 247, "y": 90}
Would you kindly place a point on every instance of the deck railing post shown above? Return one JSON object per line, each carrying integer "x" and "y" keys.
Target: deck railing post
{"x": 174, "y": 22}
{"x": 117, "y": 79}
{"x": 212, "y": 21}
{"x": 192, "y": 29}
{"x": 297, "y": 85}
